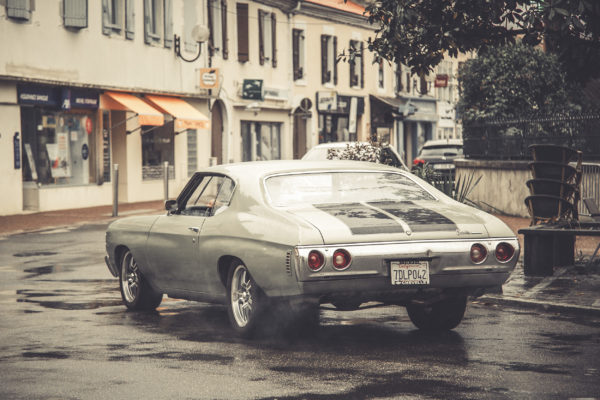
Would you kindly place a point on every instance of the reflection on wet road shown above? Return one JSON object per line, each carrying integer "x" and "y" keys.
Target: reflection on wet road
{"x": 64, "y": 334}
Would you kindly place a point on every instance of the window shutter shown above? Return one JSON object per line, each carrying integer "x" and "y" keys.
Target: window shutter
{"x": 168, "y": 23}
{"x": 352, "y": 65}
{"x": 147, "y": 19}
{"x": 423, "y": 85}
{"x": 19, "y": 9}
{"x": 324, "y": 59}
{"x": 75, "y": 13}
{"x": 225, "y": 49}
{"x": 129, "y": 19}
{"x": 261, "y": 39}
{"x": 398, "y": 77}
{"x": 334, "y": 55}
{"x": 362, "y": 65}
{"x": 242, "y": 32}
{"x": 408, "y": 82}
{"x": 274, "y": 40}
{"x": 296, "y": 54}
{"x": 105, "y": 18}
{"x": 211, "y": 41}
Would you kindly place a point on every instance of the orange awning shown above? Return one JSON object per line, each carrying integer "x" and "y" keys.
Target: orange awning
{"x": 147, "y": 115}
{"x": 185, "y": 115}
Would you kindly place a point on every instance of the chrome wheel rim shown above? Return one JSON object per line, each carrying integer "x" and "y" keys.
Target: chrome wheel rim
{"x": 130, "y": 278}
{"x": 241, "y": 296}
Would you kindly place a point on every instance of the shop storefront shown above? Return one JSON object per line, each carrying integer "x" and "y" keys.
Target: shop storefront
{"x": 338, "y": 116}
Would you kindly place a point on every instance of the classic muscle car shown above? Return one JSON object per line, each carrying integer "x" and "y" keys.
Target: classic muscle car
{"x": 300, "y": 234}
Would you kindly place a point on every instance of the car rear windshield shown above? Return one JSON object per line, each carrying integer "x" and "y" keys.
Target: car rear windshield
{"x": 342, "y": 187}
{"x": 441, "y": 151}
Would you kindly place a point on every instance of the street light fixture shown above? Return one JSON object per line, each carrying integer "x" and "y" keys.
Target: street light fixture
{"x": 200, "y": 34}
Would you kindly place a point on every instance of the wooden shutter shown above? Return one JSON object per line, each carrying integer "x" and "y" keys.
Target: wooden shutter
{"x": 296, "y": 54}
{"x": 423, "y": 85}
{"x": 129, "y": 19}
{"x": 75, "y": 13}
{"x": 324, "y": 59}
{"x": 408, "y": 82}
{"x": 242, "y": 32}
{"x": 362, "y": 65}
{"x": 168, "y": 17}
{"x": 273, "y": 40}
{"x": 147, "y": 19}
{"x": 334, "y": 55}
{"x": 352, "y": 65}
{"x": 398, "y": 77}
{"x": 105, "y": 18}
{"x": 19, "y": 9}
{"x": 211, "y": 29}
{"x": 261, "y": 39}
{"x": 225, "y": 48}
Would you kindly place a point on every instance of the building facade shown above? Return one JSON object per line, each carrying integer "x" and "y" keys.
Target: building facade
{"x": 86, "y": 85}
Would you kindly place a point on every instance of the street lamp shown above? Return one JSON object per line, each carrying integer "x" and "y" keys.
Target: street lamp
{"x": 200, "y": 34}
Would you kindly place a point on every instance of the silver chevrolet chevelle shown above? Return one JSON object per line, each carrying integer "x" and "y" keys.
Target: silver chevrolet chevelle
{"x": 286, "y": 236}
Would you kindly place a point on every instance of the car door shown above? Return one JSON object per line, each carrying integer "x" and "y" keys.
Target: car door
{"x": 172, "y": 245}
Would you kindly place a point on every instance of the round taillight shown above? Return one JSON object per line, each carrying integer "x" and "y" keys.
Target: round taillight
{"x": 504, "y": 252}
{"x": 478, "y": 253}
{"x": 315, "y": 260}
{"x": 341, "y": 259}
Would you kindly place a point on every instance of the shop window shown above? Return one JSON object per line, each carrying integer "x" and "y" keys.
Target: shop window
{"x": 328, "y": 59}
{"x": 59, "y": 147}
{"x": 267, "y": 38}
{"x": 158, "y": 147}
{"x": 242, "y": 32}
{"x": 217, "y": 25}
{"x": 75, "y": 14}
{"x": 335, "y": 128}
{"x": 19, "y": 9}
{"x": 298, "y": 53}
{"x": 261, "y": 141}
{"x": 158, "y": 22}
{"x": 356, "y": 64}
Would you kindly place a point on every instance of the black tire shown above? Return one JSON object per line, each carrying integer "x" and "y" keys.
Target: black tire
{"x": 441, "y": 316}
{"x": 136, "y": 293}
{"x": 246, "y": 303}
{"x": 346, "y": 305}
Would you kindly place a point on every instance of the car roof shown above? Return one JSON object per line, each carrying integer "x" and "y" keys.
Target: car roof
{"x": 259, "y": 169}
{"x": 443, "y": 142}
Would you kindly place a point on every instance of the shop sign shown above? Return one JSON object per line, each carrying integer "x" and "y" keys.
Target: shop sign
{"x": 252, "y": 89}
{"x": 441, "y": 80}
{"x": 37, "y": 95}
{"x": 275, "y": 93}
{"x": 209, "y": 78}
{"x": 77, "y": 98}
{"x": 17, "y": 150}
{"x": 327, "y": 101}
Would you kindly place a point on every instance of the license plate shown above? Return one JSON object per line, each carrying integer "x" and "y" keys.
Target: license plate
{"x": 409, "y": 273}
{"x": 443, "y": 166}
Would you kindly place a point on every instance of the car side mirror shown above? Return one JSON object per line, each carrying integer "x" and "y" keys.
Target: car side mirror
{"x": 171, "y": 205}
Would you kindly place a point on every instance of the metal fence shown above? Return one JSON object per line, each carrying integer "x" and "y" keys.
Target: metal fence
{"x": 509, "y": 139}
{"x": 590, "y": 185}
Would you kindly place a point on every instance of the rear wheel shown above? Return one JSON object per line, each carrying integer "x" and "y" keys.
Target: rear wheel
{"x": 246, "y": 302}
{"x": 441, "y": 316}
{"x": 137, "y": 294}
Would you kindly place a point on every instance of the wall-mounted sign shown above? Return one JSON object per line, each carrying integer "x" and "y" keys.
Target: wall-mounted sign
{"x": 274, "y": 93}
{"x": 209, "y": 78}
{"x": 78, "y": 98}
{"x": 441, "y": 80}
{"x": 327, "y": 101}
{"x": 54, "y": 96}
{"x": 252, "y": 89}
{"x": 37, "y": 95}
{"x": 17, "y": 150}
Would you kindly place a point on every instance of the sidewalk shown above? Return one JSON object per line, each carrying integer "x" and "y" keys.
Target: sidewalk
{"x": 571, "y": 289}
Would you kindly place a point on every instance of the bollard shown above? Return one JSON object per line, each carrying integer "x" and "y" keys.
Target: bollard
{"x": 166, "y": 179}
{"x": 115, "y": 212}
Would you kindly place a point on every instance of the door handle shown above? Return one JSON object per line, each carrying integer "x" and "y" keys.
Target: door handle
{"x": 194, "y": 229}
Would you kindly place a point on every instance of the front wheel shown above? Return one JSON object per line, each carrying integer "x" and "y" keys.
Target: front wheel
{"x": 245, "y": 300}
{"x": 135, "y": 291}
{"x": 441, "y": 316}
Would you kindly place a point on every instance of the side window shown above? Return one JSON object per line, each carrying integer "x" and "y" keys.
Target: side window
{"x": 212, "y": 193}
{"x": 224, "y": 196}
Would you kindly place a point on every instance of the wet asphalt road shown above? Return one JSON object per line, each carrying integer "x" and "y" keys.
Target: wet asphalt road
{"x": 65, "y": 335}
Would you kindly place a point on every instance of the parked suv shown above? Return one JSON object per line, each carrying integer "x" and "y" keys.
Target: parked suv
{"x": 440, "y": 155}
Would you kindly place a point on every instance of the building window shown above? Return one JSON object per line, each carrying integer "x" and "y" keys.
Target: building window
{"x": 19, "y": 9}
{"x": 267, "y": 38}
{"x": 157, "y": 148}
{"x": 424, "y": 85}
{"x": 217, "y": 25}
{"x": 261, "y": 141}
{"x": 381, "y": 74}
{"x": 398, "y": 75}
{"x": 57, "y": 148}
{"x": 298, "y": 53}
{"x": 328, "y": 59}
{"x": 75, "y": 14}
{"x": 158, "y": 20}
{"x": 242, "y": 32}
{"x": 356, "y": 64}
{"x": 112, "y": 16}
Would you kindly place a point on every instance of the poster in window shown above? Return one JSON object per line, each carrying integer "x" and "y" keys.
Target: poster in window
{"x": 58, "y": 153}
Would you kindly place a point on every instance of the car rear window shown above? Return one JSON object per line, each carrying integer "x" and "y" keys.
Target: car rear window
{"x": 441, "y": 151}
{"x": 342, "y": 187}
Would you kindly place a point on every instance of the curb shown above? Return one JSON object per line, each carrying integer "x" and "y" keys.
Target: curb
{"x": 539, "y": 305}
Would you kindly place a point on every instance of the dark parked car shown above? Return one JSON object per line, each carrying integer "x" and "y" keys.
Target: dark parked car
{"x": 440, "y": 155}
